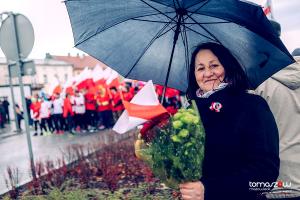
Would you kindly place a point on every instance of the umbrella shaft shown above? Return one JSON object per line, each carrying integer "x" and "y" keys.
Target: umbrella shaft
{"x": 176, "y": 34}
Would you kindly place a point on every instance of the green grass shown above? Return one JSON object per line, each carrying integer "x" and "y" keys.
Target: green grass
{"x": 143, "y": 191}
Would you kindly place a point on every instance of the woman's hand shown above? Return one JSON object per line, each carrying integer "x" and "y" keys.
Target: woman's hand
{"x": 192, "y": 190}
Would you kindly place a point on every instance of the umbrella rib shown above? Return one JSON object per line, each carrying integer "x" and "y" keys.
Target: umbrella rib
{"x": 166, "y": 31}
{"x": 146, "y": 20}
{"x": 153, "y": 14}
{"x": 164, "y": 22}
{"x": 200, "y": 6}
{"x": 177, "y": 4}
{"x": 209, "y": 23}
{"x": 186, "y": 49}
{"x": 157, "y": 10}
{"x": 197, "y": 3}
{"x": 108, "y": 27}
{"x": 174, "y": 4}
{"x": 148, "y": 46}
{"x": 200, "y": 34}
{"x": 227, "y": 21}
{"x": 195, "y": 12}
{"x": 185, "y": 44}
{"x": 201, "y": 22}
{"x": 205, "y": 29}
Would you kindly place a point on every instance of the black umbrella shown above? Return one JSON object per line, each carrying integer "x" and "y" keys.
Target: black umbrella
{"x": 153, "y": 39}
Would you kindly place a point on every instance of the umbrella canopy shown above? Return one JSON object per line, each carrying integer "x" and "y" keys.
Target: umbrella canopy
{"x": 153, "y": 39}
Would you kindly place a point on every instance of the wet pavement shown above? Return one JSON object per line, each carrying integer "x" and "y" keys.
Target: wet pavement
{"x": 14, "y": 150}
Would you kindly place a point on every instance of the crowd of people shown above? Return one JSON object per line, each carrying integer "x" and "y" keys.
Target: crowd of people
{"x": 86, "y": 110}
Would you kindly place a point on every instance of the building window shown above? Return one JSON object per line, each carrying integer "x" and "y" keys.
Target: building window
{"x": 45, "y": 78}
{"x": 66, "y": 77}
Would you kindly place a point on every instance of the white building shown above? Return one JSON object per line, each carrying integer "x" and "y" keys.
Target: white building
{"x": 46, "y": 70}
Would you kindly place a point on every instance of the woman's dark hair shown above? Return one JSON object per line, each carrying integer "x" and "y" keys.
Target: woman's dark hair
{"x": 234, "y": 74}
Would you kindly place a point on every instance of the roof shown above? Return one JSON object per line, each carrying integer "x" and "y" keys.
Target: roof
{"x": 51, "y": 62}
{"x": 80, "y": 62}
{"x": 48, "y": 62}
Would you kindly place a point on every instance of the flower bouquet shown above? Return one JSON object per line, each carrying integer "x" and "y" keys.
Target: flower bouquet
{"x": 173, "y": 147}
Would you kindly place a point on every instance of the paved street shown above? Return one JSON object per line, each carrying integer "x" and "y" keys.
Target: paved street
{"x": 14, "y": 151}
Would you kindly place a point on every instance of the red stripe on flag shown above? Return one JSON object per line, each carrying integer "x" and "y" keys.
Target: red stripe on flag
{"x": 142, "y": 111}
{"x": 267, "y": 10}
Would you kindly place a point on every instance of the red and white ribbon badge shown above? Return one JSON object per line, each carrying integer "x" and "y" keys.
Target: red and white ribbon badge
{"x": 215, "y": 106}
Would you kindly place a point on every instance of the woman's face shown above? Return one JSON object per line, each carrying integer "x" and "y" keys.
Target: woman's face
{"x": 209, "y": 72}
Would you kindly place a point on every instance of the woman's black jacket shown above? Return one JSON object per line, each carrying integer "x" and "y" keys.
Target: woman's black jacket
{"x": 241, "y": 146}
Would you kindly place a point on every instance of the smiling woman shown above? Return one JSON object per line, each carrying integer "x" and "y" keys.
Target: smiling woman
{"x": 241, "y": 136}
{"x": 213, "y": 66}
{"x": 209, "y": 72}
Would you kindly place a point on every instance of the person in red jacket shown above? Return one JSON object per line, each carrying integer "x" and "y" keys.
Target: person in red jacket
{"x": 117, "y": 105}
{"x": 105, "y": 116}
{"x": 172, "y": 100}
{"x": 127, "y": 95}
{"x": 68, "y": 113}
{"x": 35, "y": 107}
{"x": 91, "y": 113}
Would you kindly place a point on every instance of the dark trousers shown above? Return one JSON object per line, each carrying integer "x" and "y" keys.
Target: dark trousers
{"x": 19, "y": 118}
{"x": 7, "y": 118}
{"x": 43, "y": 124}
{"x": 80, "y": 121}
{"x": 70, "y": 123}
{"x": 116, "y": 114}
{"x": 58, "y": 122}
{"x": 50, "y": 123}
{"x": 30, "y": 120}
{"x": 107, "y": 118}
{"x": 35, "y": 124}
{"x": 91, "y": 117}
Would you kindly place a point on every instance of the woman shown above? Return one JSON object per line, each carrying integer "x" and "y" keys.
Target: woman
{"x": 242, "y": 144}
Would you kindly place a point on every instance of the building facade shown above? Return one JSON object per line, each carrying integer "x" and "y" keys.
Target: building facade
{"x": 47, "y": 70}
{"x": 50, "y": 69}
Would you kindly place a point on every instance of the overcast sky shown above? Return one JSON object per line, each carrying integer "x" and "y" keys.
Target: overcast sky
{"x": 53, "y": 32}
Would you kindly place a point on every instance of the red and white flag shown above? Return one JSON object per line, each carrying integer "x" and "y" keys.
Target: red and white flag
{"x": 113, "y": 79}
{"x": 54, "y": 87}
{"x": 98, "y": 75}
{"x": 143, "y": 107}
{"x": 267, "y": 8}
{"x": 85, "y": 79}
{"x": 69, "y": 86}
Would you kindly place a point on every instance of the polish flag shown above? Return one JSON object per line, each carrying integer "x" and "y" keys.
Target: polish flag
{"x": 267, "y": 8}
{"x": 54, "y": 87}
{"x": 106, "y": 73}
{"x": 85, "y": 79}
{"x": 143, "y": 107}
{"x": 98, "y": 75}
{"x": 68, "y": 86}
{"x": 113, "y": 79}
